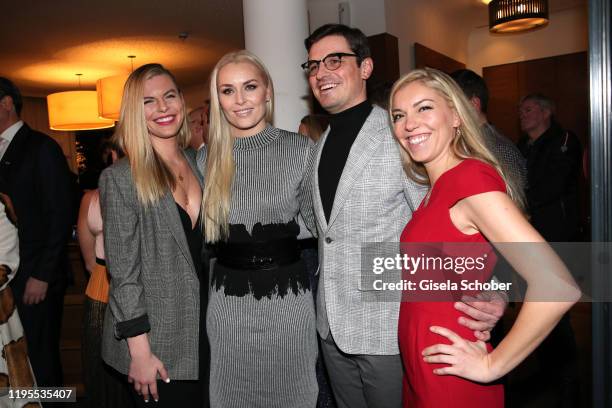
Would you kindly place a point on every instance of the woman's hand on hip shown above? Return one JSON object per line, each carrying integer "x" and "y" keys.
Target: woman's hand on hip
{"x": 467, "y": 359}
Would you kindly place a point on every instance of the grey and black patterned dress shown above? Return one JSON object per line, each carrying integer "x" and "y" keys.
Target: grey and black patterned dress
{"x": 261, "y": 322}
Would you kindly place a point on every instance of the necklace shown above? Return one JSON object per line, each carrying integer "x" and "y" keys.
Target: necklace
{"x": 182, "y": 190}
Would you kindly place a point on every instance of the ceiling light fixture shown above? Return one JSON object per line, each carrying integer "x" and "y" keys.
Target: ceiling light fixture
{"x": 75, "y": 110}
{"x": 110, "y": 92}
{"x": 509, "y": 16}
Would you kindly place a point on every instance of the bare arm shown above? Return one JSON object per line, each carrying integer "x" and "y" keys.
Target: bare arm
{"x": 496, "y": 216}
{"x": 87, "y": 241}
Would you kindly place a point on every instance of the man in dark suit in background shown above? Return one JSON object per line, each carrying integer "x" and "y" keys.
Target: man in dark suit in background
{"x": 553, "y": 168}
{"x": 35, "y": 175}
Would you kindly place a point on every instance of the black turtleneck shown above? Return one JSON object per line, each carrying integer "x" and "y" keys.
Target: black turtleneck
{"x": 344, "y": 129}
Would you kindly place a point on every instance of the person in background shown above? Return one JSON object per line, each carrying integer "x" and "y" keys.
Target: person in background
{"x": 261, "y": 318}
{"x": 554, "y": 159}
{"x": 469, "y": 202}
{"x": 198, "y": 127}
{"x": 508, "y": 155}
{"x": 35, "y": 175}
{"x": 312, "y": 126}
{"x": 103, "y": 387}
{"x": 15, "y": 369}
{"x": 153, "y": 243}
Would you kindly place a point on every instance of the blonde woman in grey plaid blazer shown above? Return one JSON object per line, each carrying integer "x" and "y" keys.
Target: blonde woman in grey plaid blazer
{"x": 153, "y": 242}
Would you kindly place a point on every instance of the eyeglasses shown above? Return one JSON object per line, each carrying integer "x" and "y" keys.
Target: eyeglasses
{"x": 332, "y": 62}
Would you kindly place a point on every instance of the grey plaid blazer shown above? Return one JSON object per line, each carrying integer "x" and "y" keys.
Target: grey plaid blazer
{"x": 152, "y": 274}
{"x": 374, "y": 201}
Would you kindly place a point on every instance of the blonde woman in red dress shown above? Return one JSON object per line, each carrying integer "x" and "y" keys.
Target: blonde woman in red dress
{"x": 470, "y": 201}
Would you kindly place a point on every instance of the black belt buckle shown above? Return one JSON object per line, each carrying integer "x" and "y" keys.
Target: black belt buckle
{"x": 259, "y": 261}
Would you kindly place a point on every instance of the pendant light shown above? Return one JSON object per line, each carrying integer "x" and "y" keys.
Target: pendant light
{"x": 75, "y": 110}
{"x": 510, "y": 16}
{"x": 110, "y": 92}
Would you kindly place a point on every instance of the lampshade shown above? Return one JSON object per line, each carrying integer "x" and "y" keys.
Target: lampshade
{"x": 75, "y": 110}
{"x": 110, "y": 91}
{"x": 506, "y": 16}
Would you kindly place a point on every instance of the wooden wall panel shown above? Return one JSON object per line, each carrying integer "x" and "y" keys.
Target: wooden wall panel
{"x": 572, "y": 94}
{"x": 537, "y": 76}
{"x": 502, "y": 81}
{"x": 563, "y": 78}
{"x": 385, "y": 54}
{"x": 426, "y": 57}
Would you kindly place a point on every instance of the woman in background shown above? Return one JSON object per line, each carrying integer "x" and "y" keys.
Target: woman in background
{"x": 260, "y": 319}
{"x": 469, "y": 202}
{"x": 103, "y": 387}
{"x": 150, "y": 205}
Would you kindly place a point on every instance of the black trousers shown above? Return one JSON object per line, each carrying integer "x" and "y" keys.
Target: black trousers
{"x": 173, "y": 395}
{"x": 42, "y": 327}
{"x": 363, "y": 381}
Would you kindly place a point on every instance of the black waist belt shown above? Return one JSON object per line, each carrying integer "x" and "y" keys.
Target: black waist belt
{"x": 258, "y": 255}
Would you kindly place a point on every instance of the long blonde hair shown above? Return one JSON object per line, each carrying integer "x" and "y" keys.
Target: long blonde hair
{"x": 220, "y": 166}
{"x": 469, "y": 140}
{"x": 151, "y": 175}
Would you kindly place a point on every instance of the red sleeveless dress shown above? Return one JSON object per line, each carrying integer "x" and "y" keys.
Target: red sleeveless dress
{"x": 423, "y": 307}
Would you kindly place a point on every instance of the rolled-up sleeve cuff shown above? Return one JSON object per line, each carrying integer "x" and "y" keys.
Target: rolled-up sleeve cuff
{"x": 133, "y": 327}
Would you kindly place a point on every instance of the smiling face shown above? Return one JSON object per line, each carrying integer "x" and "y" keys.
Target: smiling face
{"x": 243, "y": 94}
{"x": 424, "y": 124}
{"x": 163, "y": 107}
{"x": 344, "y": 87}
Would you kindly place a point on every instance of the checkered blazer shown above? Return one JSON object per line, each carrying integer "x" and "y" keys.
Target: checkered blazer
{"x": 374, "y": 201}
{"x": 152, "y": 274}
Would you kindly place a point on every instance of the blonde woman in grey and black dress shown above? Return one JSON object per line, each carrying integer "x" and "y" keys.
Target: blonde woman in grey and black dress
{"x": 260, "y": 320}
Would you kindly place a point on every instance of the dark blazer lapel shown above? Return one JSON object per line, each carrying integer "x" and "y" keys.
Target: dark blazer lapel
{"x": 316, "y": 192}
{"x": 361, "y": 152}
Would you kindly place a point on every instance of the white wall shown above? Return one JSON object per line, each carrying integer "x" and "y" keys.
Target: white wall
{"x": 436, "y": 24}
{"x": 367, "y": 15}
{"x": 567, "y": 32}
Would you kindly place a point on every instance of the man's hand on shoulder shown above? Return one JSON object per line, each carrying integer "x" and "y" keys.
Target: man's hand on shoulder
{"x": 35, "y": 291}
